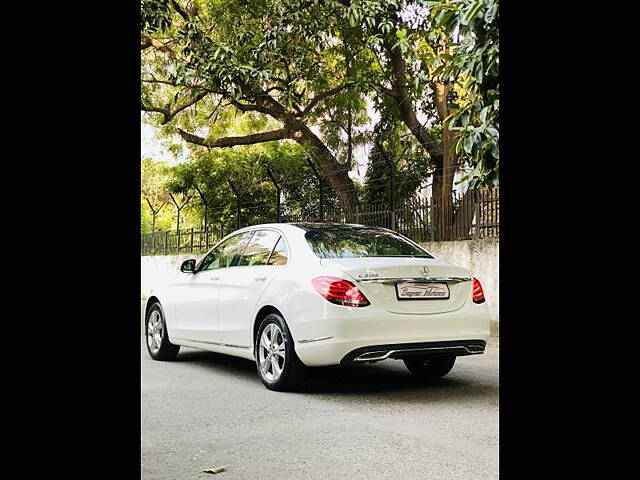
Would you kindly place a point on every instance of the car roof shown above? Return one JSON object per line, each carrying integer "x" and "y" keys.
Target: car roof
{"x": 312, "y": 227}
{"x": 316, "y": 226}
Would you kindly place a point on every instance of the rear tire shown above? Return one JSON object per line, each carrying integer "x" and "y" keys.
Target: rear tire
{"x": 157, "y": 336}
{"x": 430, "y": 368}
{"x": 278, "y": 365}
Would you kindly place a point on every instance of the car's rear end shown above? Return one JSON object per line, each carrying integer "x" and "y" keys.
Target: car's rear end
{"x": 385, "y": 297}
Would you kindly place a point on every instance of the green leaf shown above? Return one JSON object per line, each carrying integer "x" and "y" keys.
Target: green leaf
{"x": 468, "y": 144}
{"x": 493, "y": 133}
{"x": 491, "y": 13}
{"x": 473, "y": 11}
{"x": 483, "y": 114}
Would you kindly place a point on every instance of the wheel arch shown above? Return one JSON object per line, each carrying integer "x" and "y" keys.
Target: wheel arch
{"x": 150, "y": 301}
{"x": 263, "y": 312}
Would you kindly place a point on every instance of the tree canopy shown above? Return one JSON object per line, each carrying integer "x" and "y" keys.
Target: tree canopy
{"x": 296, "y": 78}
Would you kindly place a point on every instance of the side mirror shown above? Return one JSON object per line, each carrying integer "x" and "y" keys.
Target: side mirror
{"x": 188, "y": 266}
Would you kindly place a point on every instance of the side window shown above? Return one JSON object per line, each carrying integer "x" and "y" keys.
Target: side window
{"x": 280, "y": 253}
{"x": 222, "y": 255}
{"x": 258, "y": 248}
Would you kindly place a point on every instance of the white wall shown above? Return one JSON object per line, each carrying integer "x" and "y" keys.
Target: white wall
{"x": 479, "y": 256}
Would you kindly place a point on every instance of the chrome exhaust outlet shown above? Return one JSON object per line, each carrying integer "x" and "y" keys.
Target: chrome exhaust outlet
{"x": 475, "y": 349}
{"x": 373, "y": 356}
{"x": 378, "y": 355}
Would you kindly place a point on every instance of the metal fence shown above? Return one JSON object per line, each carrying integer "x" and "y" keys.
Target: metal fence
{"x": 474, "y": 215}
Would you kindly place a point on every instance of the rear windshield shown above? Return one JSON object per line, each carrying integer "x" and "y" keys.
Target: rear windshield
{"x": 350, "y": 243}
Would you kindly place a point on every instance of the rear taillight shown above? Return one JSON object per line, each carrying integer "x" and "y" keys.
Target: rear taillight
{"x": 340, "y": 291}
{"x": 478, "y": 294}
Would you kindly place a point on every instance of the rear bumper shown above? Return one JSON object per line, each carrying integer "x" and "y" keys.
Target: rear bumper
{"x": 337, "y": 334}
{"x": 376, "y": 353}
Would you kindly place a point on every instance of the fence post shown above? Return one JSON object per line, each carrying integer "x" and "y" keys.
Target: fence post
{"x": 319, "y": 178}
{"x": 166, "y": 242}
{"x": 153, "y": 234}
{"x": 477, "y": 198}
{"x": 179, "y": 208}
{"x": 154, "y": 214}
{"x": 204, "y": 202}
{"x": 235, "y": 191}
{"x": 278, "y": 190}
{"x": 191, "y": 246}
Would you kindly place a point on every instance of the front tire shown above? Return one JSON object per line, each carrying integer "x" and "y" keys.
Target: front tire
{"x": 157, "y": 337}
{"x": 430, "y": 368}
{"x": 278, "y": 365}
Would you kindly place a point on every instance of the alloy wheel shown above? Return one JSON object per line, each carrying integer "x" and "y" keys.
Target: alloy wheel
{"x": 271, "y": 353}
{"x": 155, "y": 331}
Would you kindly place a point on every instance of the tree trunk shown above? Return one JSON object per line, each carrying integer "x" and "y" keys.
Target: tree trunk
{"x": 337, "y": 174}
{"x": 449, "y": 161}
{"x": 445, "y": 161}
{"x": 437, "y": 218}
{"x": 465, "y": 213}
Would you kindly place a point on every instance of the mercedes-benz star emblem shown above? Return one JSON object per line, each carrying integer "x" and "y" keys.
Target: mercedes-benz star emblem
{"x": 425, "y": 272}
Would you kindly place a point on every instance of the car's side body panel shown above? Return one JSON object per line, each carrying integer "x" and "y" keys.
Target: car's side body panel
{"x": 240, "y": 291}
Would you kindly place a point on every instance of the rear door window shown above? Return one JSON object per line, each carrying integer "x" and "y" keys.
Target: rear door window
{"x": 280, "y": 254}
{"x": 258, "y": 248}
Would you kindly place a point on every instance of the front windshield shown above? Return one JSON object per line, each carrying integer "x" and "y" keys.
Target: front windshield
{"x": 361, "y": 242}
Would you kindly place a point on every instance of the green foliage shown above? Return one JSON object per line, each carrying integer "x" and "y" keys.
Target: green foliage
{"x": 455, "y": 42}
{"x": 295, "y": 51}
{"x": 154, "y": 176}
{"x": 207, "y": 179}
{"x": 276, "y": 47}
{"x": 394, "y": 148}
{"x": 471, "y": 29}
{"x": 154, "y": 15}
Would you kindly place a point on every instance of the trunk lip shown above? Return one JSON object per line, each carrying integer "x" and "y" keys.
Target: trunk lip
{"x": 417, "y": 280}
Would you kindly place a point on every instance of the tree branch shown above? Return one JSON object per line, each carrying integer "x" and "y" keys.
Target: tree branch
{"x": 147, "y": 42}
{"x": 243, "y": 107}
{"x": 402, "y": 95}
{"x": 269, "y": 136}
{"x": 321, "y": 96}
{"x": 181, "y": 11}
{"x": 167, "y": 114}
{"x": 146, "y": 108}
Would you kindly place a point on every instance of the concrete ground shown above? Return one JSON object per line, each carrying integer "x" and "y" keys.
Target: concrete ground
{"x": 367, "y": 422}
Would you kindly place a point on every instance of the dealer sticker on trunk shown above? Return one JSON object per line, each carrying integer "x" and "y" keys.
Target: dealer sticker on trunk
{"x": 422, "y": 291}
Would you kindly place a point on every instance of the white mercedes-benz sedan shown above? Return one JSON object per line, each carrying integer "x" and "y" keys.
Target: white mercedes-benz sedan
{"x": 292, "y": 296}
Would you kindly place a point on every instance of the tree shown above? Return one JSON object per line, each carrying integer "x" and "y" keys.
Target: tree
{"x": 155, "y": 197}
{"x": 397, "y": 166}
{"x": 429, "y": 52}
{"x": 221, "y": 75}
{"x": 279, "y": 59}
{"x": 236, "y": 181}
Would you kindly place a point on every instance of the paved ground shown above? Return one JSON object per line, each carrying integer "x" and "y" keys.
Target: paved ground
{"x": 367, "y": 422}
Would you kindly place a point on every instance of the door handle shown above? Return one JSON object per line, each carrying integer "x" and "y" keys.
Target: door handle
{"x": 260, "y": 279}
{"x": 214, "y": 278}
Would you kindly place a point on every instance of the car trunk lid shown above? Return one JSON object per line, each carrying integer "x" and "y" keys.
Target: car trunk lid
{"x": 378, "y": 277}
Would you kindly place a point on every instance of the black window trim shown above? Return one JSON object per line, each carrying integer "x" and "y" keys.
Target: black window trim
{"x": 274, "y": 248}
{"x": 251, "y": 231}
{"x": 280, "y": 235}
